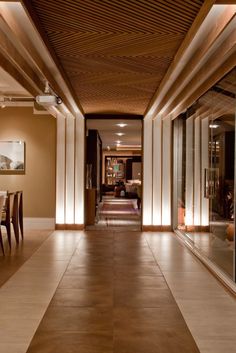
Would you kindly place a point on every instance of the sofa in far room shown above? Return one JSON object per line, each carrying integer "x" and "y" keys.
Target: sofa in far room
{"x": 132, "y": 188}
{"x": 107, "y": 189}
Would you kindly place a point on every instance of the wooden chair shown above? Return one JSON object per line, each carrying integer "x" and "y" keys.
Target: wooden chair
{"x": 11, "y": 216}
{"x": 20, "y": 212}
{"x": 2, "y": 201}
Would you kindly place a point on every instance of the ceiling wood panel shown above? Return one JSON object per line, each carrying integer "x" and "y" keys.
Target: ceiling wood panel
{"x": 116, "y": 52}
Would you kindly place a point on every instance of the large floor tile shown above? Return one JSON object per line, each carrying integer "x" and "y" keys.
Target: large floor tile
{"x": 71, "y": 342}
{"x": 142, "y": 297}
{"x": 165, "y": 341}
{"x": 86, "y": 282}
{"x": 99, "y": 296}
{"x": 128, "y": 319}
{"x": 78, "y": 319}
{"x": 136, "y": 270}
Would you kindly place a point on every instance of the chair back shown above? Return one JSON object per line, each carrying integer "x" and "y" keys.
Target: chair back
{"x": 2, "y": 202}
{"x": 20, "y": 200}
{"x": 10, "y": 205}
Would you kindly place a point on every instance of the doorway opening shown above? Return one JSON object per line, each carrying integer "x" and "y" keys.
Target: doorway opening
{"x": 113, "y": 174}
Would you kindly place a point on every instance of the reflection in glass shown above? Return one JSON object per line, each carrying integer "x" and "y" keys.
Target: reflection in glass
{"x": 204, "y": 155}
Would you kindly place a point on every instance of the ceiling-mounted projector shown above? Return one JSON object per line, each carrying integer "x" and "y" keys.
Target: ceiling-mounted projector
{"x": 48, "y": 100}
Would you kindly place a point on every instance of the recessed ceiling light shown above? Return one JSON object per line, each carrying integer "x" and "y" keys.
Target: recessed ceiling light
{"x": 213, "y": 126}
{"x": 121, "y": 125}
{"x": 118, "y": 142}
{"x": 120, "y": 133}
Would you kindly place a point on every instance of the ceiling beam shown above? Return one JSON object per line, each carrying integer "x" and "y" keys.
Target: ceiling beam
{"x": 194, "y": 64}
{"x": 13, "y": 56}
{"x": 207, "y": 84}
{"x": 38, "y": 27}
{"x": 15, "y": 73}
{"x": 27, "y": 52}
{"x": 174, "y": 66}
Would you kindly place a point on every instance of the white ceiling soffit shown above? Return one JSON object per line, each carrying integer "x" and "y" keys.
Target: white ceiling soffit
{"x": 108, "y": 130}
{"x": 10, "y": 87}
{"x": 209, "y": 32}
{"x": 23, "y": 29}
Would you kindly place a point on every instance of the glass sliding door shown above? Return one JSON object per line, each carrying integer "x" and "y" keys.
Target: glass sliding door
{"x": 204, "y": 174}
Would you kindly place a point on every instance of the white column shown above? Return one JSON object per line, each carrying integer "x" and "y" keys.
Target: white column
{"x": 79, "y": 171}
{"x": 205, "y": 165}
{"x": 189, "y": 173}
{"x": 166, "y": 171}
{"x": 60, "y": 170}
{"x": 157, "y": 175}
{"x": 197, "y": 172}
{"x": 147, "y": 172}
{"x": 70, "y": 169}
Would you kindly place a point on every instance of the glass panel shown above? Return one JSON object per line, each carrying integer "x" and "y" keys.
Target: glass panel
{"x": 204, "y": 177}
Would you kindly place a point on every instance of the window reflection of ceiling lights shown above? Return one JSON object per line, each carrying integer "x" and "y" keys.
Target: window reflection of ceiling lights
{"x": 213, "y": 126}
{"x": 121, "y": 125}
{"x": 120, "y": 133}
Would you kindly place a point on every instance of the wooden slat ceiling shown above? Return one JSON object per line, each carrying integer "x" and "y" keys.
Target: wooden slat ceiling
{"x": 116, "y": 52}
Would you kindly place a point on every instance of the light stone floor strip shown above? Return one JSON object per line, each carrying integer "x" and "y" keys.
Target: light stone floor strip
{"x": 207, "y": 307}
{"x": 25, "y": 297}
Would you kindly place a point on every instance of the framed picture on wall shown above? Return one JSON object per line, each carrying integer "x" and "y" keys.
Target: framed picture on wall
{"x": 12, "y": 157}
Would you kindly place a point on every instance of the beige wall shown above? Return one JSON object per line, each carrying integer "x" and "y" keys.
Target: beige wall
{"x": 38, "y": 182}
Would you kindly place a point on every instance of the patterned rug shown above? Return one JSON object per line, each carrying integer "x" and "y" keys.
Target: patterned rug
{"x": 118, "y": 208}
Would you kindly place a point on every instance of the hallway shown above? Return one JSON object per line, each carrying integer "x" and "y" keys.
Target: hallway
{"x": 117, "y": 214}
{"x": 104, "y": 292}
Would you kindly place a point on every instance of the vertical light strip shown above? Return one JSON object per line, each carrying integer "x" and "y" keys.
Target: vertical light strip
{"x": 60, "y": 170}
{"x": 197, "y": 172}
{"x": 166, "y": 171}
{"x": 189, "y": 173}
{"x": 157, "y": 160}
{"x": 177, "y": 170}
{"x": 70, "y": 165}
{"x": 79, "y": 171}
{"x": 147, "y": 172}
{"x": 205, "y": 165}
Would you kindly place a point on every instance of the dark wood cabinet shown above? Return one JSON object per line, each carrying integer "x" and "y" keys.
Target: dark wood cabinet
{"x": 94, "y": 158}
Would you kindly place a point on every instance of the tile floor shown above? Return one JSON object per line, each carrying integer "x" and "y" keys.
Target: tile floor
{"x": 15, "y": 258}
{"x": 121, "y": 292}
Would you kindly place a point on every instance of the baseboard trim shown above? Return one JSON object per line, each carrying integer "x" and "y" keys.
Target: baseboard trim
{"x": 69, "y": 226}
{"x": 39, "y": 223}
{"x": 151, "y": 228}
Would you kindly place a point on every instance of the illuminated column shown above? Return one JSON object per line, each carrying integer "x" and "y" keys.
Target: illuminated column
{"x": 147, "y": 172}
{"x": 79, "y": 171}
{"x": 70, "y": 169}
{"x": 189, "y": 173}
{"x": 197, "y": 172}
{"x": 205, "y": 165}
{"x": 166, "y": 171}
{"x": 157, "y": 165}
{"x": 60, "y": 170}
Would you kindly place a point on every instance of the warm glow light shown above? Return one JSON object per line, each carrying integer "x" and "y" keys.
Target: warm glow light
{"x": 121, "y": 125}
{"x": 213, "y": 126}
{"x": 118, "y": 142}
{"x": 120, "y": 133}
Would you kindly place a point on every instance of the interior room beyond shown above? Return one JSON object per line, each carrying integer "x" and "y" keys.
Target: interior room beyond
{"x": 113, "y": 174}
